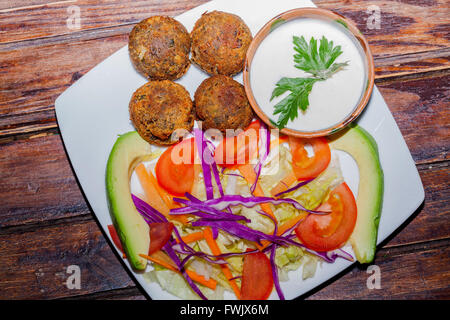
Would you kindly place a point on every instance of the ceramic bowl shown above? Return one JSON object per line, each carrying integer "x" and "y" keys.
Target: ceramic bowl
{"x": 340, "y": 22}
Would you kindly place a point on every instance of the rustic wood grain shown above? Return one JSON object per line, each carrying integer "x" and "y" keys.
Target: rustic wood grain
{"x": 41, "y": 19}
{"x": 419, "y": 272}
{"x": 33, "y": 265}
{"x": 430, "y": 221}
{"x": 36, "y": 71}
{"x": 412, "y": 282}
{"x": 407, "y": 64}
{"x": 405, "y": 26}
{"x": 37, "y": 185}
{"x": 27, "y": 96}
{"x": 420, "y": 106}
{"x": 33, "y": 79}
{"x": 45, "y": 222}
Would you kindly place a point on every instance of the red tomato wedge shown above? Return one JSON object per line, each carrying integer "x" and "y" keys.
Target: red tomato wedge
{"x": 175, "y": 168}
{"x": 115, "y": 237}
{"x": 160, "y": 233}
{"x": 331, "y": 231}
{"x": 306, "y": 167}
{"x": 238, "y": 149}
{"x": 257, "y": 279}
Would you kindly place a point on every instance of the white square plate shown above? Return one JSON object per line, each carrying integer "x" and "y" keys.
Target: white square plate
{"x": 94, "y": 110}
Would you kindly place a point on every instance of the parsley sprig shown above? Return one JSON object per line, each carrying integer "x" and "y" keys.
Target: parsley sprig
{"x": 317, "y": 61}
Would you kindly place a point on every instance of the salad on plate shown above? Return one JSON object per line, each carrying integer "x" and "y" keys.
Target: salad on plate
{"x": 238, "y": 214}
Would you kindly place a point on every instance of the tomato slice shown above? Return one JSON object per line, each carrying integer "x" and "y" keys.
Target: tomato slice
{"x": 160, "y": 233}
{"x": 175, "y": 168}
{"x": 115, "y": 237}
{"x": 239, "y": 149}
{"x": 306, "y": 167}
{"x": 331, "y": 231}
{"x": 257, "y": 279}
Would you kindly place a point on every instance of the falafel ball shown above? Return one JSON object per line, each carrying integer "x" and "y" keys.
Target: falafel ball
{"x": 159, "y": 48}
{"x": 219, "y": 43}
{"x": 158, "y": 109}
{"x": 221, "y": 103}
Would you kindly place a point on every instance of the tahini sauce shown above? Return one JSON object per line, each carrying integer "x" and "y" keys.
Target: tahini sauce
{"x": 330, "y": 101}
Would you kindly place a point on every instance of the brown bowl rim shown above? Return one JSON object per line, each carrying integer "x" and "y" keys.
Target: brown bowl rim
{"x": 309, "y": 12}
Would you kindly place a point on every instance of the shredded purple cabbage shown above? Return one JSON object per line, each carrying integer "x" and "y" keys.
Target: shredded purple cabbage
{"x": 171, "y": 253}
{"x": 211, "y": 213}
{"x": 206, "y": 168}
{"x": 241, "y": 231}
{"x": 207, "y": 212}
{"x": 147, "y": 211}
{"x": 298, "y": 185}
{"x": 152, "y": 215}
{"x": 276, "y": 281}
{"x": 251, "y": 201}
{"x": 206, "y": 153}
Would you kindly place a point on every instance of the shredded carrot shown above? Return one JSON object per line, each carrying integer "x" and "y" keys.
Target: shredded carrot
{"x": 153, "y": 196}
{"x": 216, "y": 251}
{"x": 249, "y": 174}
{"x": 165, "y": 196}
{"x": 162, "y": 259}
{"x": 290, "y": 223}
{"x": 210, "y": 283}
{"x": 284, "y": 184}
{"x": 151, "y": 192}
{"x": 192, "y": 237}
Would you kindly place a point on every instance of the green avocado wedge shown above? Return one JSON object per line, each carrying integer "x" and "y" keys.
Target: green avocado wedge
{"x": 362, "y": 147}
{"x": 133, "y": 231}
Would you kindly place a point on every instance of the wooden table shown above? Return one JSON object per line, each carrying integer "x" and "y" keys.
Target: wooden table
{"x": 46, "y": 224}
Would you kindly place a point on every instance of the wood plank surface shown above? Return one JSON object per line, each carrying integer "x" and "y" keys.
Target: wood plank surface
{"x": 37, "y": 185}
{"x": 40, "y": 18}
{"x": 420, "y": 106}
{"x": 41, "y": 69}
{"x": 422, "y": 272}
{"x": 34, "y": 265}
{"x": 405, "y": 26}
{"x": 35, "y": 78}
{"x": 45, "y": 222}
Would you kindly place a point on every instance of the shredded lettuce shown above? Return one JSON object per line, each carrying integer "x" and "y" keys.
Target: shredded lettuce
{"x": 275, "y": 168}
{"x": 315, "y": 192}
{"x": 287, "y": 259}
{"x": 175, "y": 284}
{"x": 309, "y": 267}
{"x": 258, "y": 221}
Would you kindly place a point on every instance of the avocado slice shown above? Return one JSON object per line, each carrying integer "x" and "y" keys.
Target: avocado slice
{"x": 362, "y": 147}
{"x": 133, "y": 231}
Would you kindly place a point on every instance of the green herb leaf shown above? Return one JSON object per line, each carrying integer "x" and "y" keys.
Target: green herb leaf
{"x": 298, "y": 98}
{"x": 319, "y": 62}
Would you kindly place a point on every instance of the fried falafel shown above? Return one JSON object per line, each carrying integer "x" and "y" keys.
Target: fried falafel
{"x": 159, "y": 48}
{"x": 221, "y": 103}
{"x": 160, "y": 109}
{"x": 219, "y": 43}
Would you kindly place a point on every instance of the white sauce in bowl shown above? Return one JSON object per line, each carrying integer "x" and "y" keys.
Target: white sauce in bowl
{"x": 330, "y": 101}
